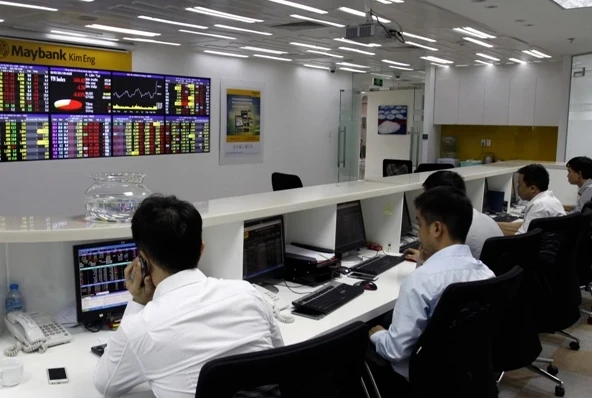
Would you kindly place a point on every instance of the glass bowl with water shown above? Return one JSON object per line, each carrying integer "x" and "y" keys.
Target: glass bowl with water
{"x": 114, "y": 197}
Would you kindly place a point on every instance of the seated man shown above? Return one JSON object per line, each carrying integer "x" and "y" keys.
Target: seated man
{"x": 533, "y": 185}
{"x": 179, "y": 319}
{"x": 445, "y": 215}
{"x": 579, "y": 172}
{"x": 482, "y": 228}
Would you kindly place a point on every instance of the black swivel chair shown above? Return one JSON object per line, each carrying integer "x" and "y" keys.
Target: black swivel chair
{"x": 585, "y": 256}
{"x": 330, "y": 366}
{"x": 281, "y": 181}
{"x": 453, "y": 355}
{"x": 396, "y": 167}
{"x": 433, "y": 167}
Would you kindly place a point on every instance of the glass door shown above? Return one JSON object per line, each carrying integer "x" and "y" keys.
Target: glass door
{"x": 348, "y": 146}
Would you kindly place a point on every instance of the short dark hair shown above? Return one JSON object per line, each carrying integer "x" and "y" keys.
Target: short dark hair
{"x": 450, "y": 206}
{"x": 581, "y": 164}
{"x": 535, "y": 174}
{"x": 445, "y": 178}
{"x": 169, "y": 231}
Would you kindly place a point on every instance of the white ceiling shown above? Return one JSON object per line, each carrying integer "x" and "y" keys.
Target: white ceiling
{"x": 415, "y": 16}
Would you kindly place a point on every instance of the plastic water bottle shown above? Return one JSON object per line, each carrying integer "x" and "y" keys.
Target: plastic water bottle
{"x": 14, "y": 299}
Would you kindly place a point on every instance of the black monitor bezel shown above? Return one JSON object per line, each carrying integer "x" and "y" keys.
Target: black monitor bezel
{"x": 351, "y": 246}
{"x": 406, "y": 215}
{"x": 277, "y": 271}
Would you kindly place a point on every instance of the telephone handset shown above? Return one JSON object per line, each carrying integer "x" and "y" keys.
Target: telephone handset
{"x": 34, "y": 332}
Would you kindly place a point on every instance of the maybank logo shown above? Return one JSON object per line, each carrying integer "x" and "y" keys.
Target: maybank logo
{"x": 38, "y": 53}
{"x": 4, "y": 49}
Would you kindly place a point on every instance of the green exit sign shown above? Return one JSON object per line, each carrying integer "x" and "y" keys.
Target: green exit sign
{"x": 378, "y": 82}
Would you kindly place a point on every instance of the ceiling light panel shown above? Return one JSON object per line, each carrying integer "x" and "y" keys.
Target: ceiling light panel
{"x": 399, "y": 67}
{"x": 82, "y": 40}
{"x": 208, "y": 34}
{"x": 310, "y": 46}
{"x": 481, "y": 43}
{"x": 571, "y": 4}
{"x": 467, "y": 30}
{"x": 168, "y": 43}
{"x": 338, "y": 25}
{"x": 344, "y": 40}
{"x": 324, "y": 53}
{"x": 353, "y": 70}
{"x": 187, "y": 25}
{"x": 271, "y": 57}
{"x": 519, "y": 61}
{"x": 487, "y": 57}
{"x": 220, "y": 14}
{"x": 412, "y": 43}
{"x": 483, "y": 62}
{"x": 534, "y": 54}
{"x": 257, "y": 32}
{"x": 316, "y": 66}
{"x": 300, "y": 6}
{"x": 264, "y": 50}
{"x": 61, "y": 32}
{"x": 361, "y": 14}
{"x": 352, "y": 65}
{"x": 123, "y": 30}
{"x": 436, "y": 59}
{"x": 355, "y": 50}
{"x": 23, "y": 5}
{"x": 418, "y": 37}
{"x": 394, "y": 63}
{"x": 226, "y": 54}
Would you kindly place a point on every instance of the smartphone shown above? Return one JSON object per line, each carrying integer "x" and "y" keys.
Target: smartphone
{"x": 144, "y": 266}
{"x": 364, "y": 277}
{"x": 57, "y": 376}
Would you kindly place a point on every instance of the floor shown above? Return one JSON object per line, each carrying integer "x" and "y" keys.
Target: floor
{"x": 575, "y": 367}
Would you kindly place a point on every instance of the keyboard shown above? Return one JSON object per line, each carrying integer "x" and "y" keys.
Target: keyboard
{"x": 413, "y": 245}
{"x": 378, "y": 265}
{"x": 505, "y": 218}
{"x": 328, "y": 298}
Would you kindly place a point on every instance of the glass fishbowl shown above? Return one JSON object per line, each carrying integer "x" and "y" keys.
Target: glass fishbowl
{"x": 114, "y": 197}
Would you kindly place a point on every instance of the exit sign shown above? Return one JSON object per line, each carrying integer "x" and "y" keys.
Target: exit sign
{"x": 378, "y": 82}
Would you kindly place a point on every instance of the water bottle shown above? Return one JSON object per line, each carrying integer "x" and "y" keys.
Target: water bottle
{"x": 14, "y": 299}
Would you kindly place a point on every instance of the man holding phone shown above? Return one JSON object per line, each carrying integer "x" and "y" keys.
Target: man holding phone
{"x": 179, "y": 319}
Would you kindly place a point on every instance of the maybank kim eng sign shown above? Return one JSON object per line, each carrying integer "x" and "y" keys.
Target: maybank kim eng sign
{"x": 31, "y": 52}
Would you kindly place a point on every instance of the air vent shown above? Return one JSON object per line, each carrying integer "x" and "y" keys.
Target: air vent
{"x": 295, "y": 26}
{"x": 87, "y": 18}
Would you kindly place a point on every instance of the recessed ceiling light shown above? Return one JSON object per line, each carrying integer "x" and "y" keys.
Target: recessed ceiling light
{"x": 440, "y": 65}
{"x": 518, "y": 60}
{"x": 270, "y": 57}
{"x": 421, "y": 45}
{"x": 264, "y": 50}
{"x": 380, "y": 74}
{"x": 361, "y": 14}
{"x": 540, "y": 54}
{"x": 344, "y": 40}
{"x": 168, "y": 43}
{"x": 390, "y": 1}
{"x": 394, "y": 63}
{"x": 436, "y": 59}
{"x": 188, "y": 25}
{"x": 467, "y": 30}
{"x": 481, "y": 43}
{"x": 461, "y": 66}
{"x": 355, "y": 50}
{"x": 353, "y": 65}
{"x": 483, "y": 62}
{"x": 75, "y": 39}
{"x": 317, "y": 20}
{"x": 226, "y": 54}
{"x": 21, "y": 5}
{"x": 487, "y": 56}
{"x": 571, "y": 4}
{"x": 324, "y": 53}
{"x": 301, "y": 6}
{"x": 400, "y": 68}
{"x": 353, "y": 70}
{"x": 316, "y": 66}
{"x": 257, "y": 32}
{"x": 208, "y": 34}
{"x": 61, "y": 32}
{"x": 122, "y": 30}
{"x": 418, "y": 37}
{"x": 310, "y": 46}
{"x": 220, "y": 14}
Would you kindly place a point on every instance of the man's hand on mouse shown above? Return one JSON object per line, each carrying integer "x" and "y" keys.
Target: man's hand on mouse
{"x": 375, "y": 329}
{"x": 418, "y": 256}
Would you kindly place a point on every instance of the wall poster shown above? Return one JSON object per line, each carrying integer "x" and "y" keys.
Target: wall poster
{"x": 392, "y": 119}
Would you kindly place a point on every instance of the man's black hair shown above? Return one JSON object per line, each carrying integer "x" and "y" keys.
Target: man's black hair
{"x": 445, "y": 178}
{"x": 581, "y": 164}
{"x": 169, "y": 231}
{"x": 450, "y": 206}
{"x": 535, "y": 174}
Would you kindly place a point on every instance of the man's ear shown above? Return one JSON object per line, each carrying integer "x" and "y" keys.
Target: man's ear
{"x": 438, "y": 229}
{"x": 203, "y": 247}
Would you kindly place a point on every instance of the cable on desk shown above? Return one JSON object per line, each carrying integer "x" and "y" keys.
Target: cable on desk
{"x": 294, "y": 291}
{"x": 93, "y": 327}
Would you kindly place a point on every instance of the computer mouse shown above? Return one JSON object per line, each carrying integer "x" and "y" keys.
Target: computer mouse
{"x": 367, "y": 285}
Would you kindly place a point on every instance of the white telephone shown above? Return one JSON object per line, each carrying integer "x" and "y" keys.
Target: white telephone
{"x": 34, "y": 332}
{"x": 277, "y": 303}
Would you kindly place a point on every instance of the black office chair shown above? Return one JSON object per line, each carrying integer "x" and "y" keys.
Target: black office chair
{"x": 396, "y": 167}
{"x": 282, "y": 182}
{"x": 433, "y": 167}
{"x": 585, "y": 256}
{"x": 330, "y": 366}
{"x": 453, "y": 356}
{"x": 517, "y": 344}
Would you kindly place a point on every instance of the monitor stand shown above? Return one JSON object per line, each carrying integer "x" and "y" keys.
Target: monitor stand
{"x": 269, "y": 286}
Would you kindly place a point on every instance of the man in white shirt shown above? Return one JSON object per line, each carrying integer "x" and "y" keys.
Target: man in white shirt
{"x": 445, "y": 215}
{"x": 179, "y": 319}
{"x": 533, "y": 185}
{"x": 579, "y": 172}
{"x": 482, "y": 228}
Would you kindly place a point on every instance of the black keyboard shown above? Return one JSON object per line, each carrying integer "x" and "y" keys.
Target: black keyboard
{"x": 413, "y": 245}
{"x": 327, "y": 299}
{"x": 378, "y": 265}
{"x": 505, "y": 218}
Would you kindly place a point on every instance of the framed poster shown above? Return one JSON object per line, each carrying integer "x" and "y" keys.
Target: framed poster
{"x": 392, "y": 119}
{"x": 241, "y": 124}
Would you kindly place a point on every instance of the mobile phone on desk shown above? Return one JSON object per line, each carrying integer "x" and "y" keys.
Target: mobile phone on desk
{"x": 362, "y": 276}
{"x": 57, "y": 376}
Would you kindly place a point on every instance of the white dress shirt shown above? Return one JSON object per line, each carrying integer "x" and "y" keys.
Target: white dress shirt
{"x": 418, "y": 298}
{"x": 482, "y": 228}
{"x": 544, "y": 205}
{"x": 191, "y": 320}
{"x": 584, "y": 195}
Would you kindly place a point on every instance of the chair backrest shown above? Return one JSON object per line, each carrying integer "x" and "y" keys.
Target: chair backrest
{"x": 517, "y": 343}
{"x": 557, "y": 261}
{"x": 396, "y": 167}
{"x": 330, "y": 366}
{"x": 584, "y": 256}
{"x": 453, "y": 354}
{"x": 433, "y": 167}
{"x": 281, "y": 181}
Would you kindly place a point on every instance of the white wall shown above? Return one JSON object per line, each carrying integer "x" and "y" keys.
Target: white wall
{"x": 579, "y": 131}
{"x": 380, "y": 147}
{"x": 301, "y": 114}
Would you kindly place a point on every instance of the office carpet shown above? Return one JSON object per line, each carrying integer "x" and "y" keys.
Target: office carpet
{"x": 575, "y": 367}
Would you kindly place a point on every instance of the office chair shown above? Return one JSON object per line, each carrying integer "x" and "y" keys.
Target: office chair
{"x": 281, "y": 181}
{"x": 330, "y": 366}
{"x": 516, "y": 344}
{"x": 584, "y": 256}
{"x": 396, "y": 167}
{"x": 453, "y": 355}
{"x": 433, "y": 167}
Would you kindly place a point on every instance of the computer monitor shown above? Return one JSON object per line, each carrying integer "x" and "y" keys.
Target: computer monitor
{"x": 99, "y": 278}
{"x": 350, "y": 234}
{"x": 486, "y": 205}
{"x": 264, "y": 249}
{"x": 406, "y": 225}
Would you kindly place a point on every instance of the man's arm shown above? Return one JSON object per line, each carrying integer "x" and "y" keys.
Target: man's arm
{"x": 510, "y": 228}
{"x": 583, "y": 199}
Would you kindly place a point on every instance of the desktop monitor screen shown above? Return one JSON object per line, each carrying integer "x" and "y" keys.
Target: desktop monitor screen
{"x": 100, "y": 281}
{"x": 350, "y": 234}
{"x": 486, "y": 205}
{"x": 263, "y": 249}
{"x": 406, "y": 225}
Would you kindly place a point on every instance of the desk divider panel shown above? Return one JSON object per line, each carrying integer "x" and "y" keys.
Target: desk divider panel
{"x": 382, "y": 220}
{"x": 315, "y": 227}
{"x": 410, "y": 197}
{"x": 223, "y": 254}
{"x": 475, "y": 192}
